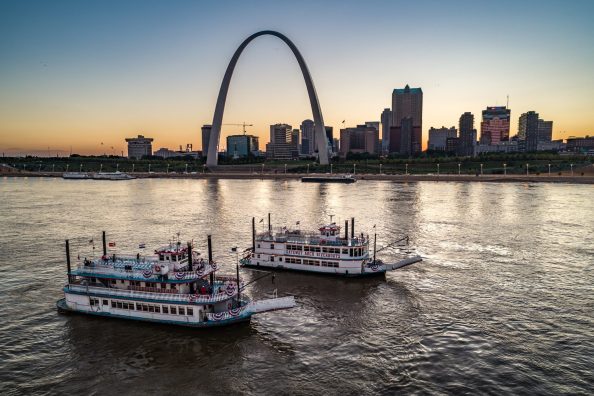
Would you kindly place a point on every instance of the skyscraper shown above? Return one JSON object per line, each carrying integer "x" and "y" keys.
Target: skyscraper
{"x": 495, "y": 125}
{"x": 545, "y": 131}
{"x": 407, "y": 104}
{"x": 528, "y": 130}
{"x": 467, "y": 142}
{"x": 386, "y": 120}
{"x": 307, "y": 137}
{"x": 283, "y": 142}
{"x": 205, "y": 138}
{"x": 330, "y": 137}
{"x": 239, "y": 146}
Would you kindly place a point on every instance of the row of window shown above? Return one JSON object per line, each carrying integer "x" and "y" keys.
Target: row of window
{"x": 172, "y": 257}
{"x": 334, "y": 250}
{"x": 166, "y": 309}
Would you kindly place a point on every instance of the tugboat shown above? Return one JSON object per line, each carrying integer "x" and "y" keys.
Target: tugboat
{"x": 174, "y": 286}
{"x": 323, "y": 252}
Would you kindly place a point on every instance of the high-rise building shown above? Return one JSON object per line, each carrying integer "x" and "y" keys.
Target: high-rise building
{"x": 467, "y": 141}
{"x": 495, "y": 125}
{"x": 139, "y": 147}
{"x": 283, "y": 144}
{"x": 386, "y": 120}
{"x": 545, "y": 131}
{"x": 241, "y": 146}
{"x": 407, "y": 104}
{"x": 307, "y": 137}
{"x": 438, "y": 137}
{"x": 362, "y": 139}
{"x": 205, "y": 139}
{"x": 528, "y": 130}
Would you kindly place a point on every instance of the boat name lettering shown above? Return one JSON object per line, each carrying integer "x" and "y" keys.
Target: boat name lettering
{"x": 313, "y": 254}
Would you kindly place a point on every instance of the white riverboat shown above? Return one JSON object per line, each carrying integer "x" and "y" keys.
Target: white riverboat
{"x": 175, "y": 286}
{"x": 324, "y": 252}
{"x": 117, "y": 175}
{"x": 76, "y": 175}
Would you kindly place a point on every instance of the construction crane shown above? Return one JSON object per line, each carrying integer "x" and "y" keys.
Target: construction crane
{"x": 243, "y": 125}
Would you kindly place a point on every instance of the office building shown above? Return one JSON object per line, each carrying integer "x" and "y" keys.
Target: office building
{"x": 330, "y": 138}
{"x": 205, "y": 139}
{"x": 362, "y": 139}
{"x": 438, "y": 137}
{"x": 495, "y": 125}
{"x": 407, "y": 104}
{"x": 580, "y": 144}
{"x": 307, "y": 137}
{"x": 386, "y": 120}
{"x": 467, "y": 140}
{"x": 545, "y": 131}
{"x": 528, "y": 130}
{"x": 242, "y": 146}
{"x": 139, "y": 147}
{"x": 282, "y": 142}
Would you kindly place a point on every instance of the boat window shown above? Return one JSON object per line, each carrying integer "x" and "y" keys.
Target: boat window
{"x": 113, "y": 304}
{"x": 119, "y": 305}
{"x": 161, "y": 257}
{"x": 280, "y": 259}
{"x": 125, "y": 305}
{"x": 181, "y": 311}
{"x": 173, "y": 311}
{"x": 138, "y": 307}
{"x": 165, "y": 309}
{"x": 151, "y": 308}
{"x": 157, "y": 308}
{"x": 258, "y": 245}
{"x": 173, "y": 257}
{"x": 271, "y": 258}
{"x": 258, "y": 256}
{"x": 105, "y": 302}
{"x": 272, "y": 246}
{"x": 190, "y": 311}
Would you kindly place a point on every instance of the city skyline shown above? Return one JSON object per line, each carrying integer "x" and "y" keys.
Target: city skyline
{"x": 155, "y": 69}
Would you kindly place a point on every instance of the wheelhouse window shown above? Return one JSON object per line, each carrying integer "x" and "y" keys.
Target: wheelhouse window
{"x": 161, "y": 257}
{"x": 190, "y": 311}
{"x": 105, "y": 302}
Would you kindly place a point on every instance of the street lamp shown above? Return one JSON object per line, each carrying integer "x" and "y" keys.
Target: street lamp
{"x": 67, "y": 166}
{"x": 285, "y": 169}
{"x": 458, "y": 169}
{"x": 504, "y": 169}
{"x": 39, "y": 168}
{"x": 354, "y": 169}
{"x": 262, "y": 169}
{"x": 437, "y": 169}
{"x": 380, "y": 169}
{"x": 149, "y": 168}
{"x": 481, "y": 169}
{"x": 406, "y": 170}
{"x": 549, "y": 169}
{"x": 133, "y": 167}
{"x": 571, "y": 169}
{"x": 80, "y": 168}
{"x": 53, "y": 167}
{"x": 527, "y": 169}
{"x": 186, "y": 168}
{"x": 100, "y": 168}
{"x": 308, "y": 169}
{"x": 203, "y": 168}
{"x": 331, "y": 168}
{"x": 167, "y": 168}
{"x": 117, "y": 167}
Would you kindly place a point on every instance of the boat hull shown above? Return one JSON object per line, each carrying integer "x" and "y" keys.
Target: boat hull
{"x": 65, "y": 309}
{"x": 381, "y": 272}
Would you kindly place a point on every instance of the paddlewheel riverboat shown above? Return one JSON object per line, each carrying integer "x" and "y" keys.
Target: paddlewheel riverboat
{"x": 174, "y": 286}
{"x": 325, "y": 251}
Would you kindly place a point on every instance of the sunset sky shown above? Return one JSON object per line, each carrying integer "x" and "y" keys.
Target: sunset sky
{"x": 82, "y": 73}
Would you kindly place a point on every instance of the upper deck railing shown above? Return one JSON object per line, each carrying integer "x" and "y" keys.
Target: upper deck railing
{"x": 226, "y": 294}
{"x": 310, "y": 238}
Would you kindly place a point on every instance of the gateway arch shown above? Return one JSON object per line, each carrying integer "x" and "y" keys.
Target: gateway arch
{"x": 215, "y": 134}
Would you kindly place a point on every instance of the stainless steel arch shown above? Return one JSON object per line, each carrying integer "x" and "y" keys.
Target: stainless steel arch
{"x": 215, "y": 133}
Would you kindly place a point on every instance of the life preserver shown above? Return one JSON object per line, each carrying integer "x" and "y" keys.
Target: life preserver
{"x": 157, "y": 268}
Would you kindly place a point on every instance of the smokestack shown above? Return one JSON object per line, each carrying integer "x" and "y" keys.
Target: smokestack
{"x": 269, "y": 224}
{"x": 253, "y": 234}
{"x": 352, "y": 227}
{"x": 104, "y": 245}
{"x": 346, "y": 230}
{"x": 210, "y": 262}
{"x": 68, "y": 261}
{"x": 192, "y": 290}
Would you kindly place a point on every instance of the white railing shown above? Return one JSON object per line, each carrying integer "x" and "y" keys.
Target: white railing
{"x": 191, "y": 298}
{"x": 140, "y": 274}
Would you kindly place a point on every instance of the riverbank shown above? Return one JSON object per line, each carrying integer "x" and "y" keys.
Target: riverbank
{"x": 564, "y": 178}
